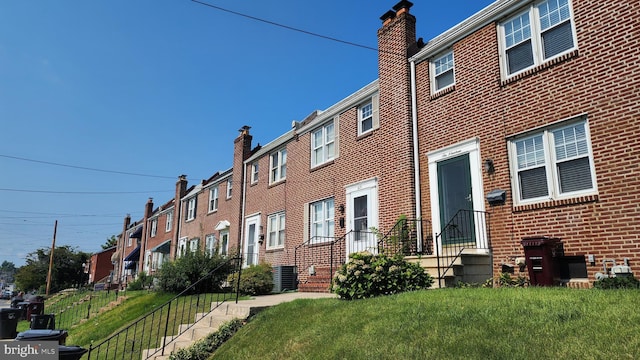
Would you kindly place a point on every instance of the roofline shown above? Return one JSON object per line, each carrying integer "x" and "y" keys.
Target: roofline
{"x": 482, "y": 18}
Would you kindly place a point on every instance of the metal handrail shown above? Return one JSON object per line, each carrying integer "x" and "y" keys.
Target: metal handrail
{"x": 143, "y": 334}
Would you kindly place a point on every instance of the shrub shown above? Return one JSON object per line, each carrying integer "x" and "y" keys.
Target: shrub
{"x": 505, "y": 280}
{"x": 140, "y": 282}
{"x": 618, "y": 282}
{"x": 366, "y": 275}
{"x": 203, "y": 349}
{"x": 178, "y": 275}
{"x": 254, "y": 280}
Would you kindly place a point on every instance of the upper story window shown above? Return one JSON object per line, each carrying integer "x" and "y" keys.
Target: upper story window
{"x": 254, "y": 172}
{"x": 442, "y": 72}
{"x": 154, "y": 227}
{"x": 278, "y": 168}
{"x": 169, "y": 224}
{"x": 323, "y": 144}
{"x": 541, "y": 33}
{"x": 229, "y": 187}
{"x": 322, "y": 220}
{"x": 275, "y": 230}
{"x": 553, "y": 164}
{"x": 368, "y": 116}
{"x": 213, "y": 199}
{"x": 191, "y": 209}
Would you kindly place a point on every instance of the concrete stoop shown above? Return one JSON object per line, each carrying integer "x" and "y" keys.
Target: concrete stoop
{"x": 469, "y": 268}
{"x": 207, "y": 323}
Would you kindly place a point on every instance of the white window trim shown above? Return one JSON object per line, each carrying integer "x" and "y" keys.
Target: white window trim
{"x": 315, "y": 238}
{"x": 536, "y": 39}
{"x": 280, "y": 233}
{"x": 325, "y": 143}
{"x": 213, "y": 198}
{"x": 254, "y": 172}
{"x": 169, "y": 224}
{"x": 433, "y": 75}
{"x": 375, "y": 120}
{"x": 224, "y": 246}
{"x": 182, "y": 247}
{"x": 275, "y": 170}
{"x": 210, "y": 244}
{"x": 229, "y": 188}
{"x": 191, "y": 208}
{"x": 553, "y": 186}
{"x": 192, "y": 242}
{"x": 154, "y": 227}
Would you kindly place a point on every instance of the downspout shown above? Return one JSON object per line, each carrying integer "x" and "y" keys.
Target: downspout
{"x": 416, "y": 154}
{"x": 242, "y": 210}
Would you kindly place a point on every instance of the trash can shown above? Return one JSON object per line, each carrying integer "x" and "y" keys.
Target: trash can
{"x": 23, "y": 305}
{"x": 540, "y": 253}
{"x": 70, "y": 352}
{"x": 43, "y": 334}
{"x": 34, "y": 308}
{"x": 9, "y": 322}
{"x": 44, "y": 321}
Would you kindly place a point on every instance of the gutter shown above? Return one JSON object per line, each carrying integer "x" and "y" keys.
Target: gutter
{"x": 416, "y": 152}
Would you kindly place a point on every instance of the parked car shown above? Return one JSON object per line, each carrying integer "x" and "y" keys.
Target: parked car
{"x": 6, "y": 294}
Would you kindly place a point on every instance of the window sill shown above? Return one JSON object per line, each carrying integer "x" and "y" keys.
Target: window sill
{"x": 556, "y": 203}
{"x": 365, "y": 135}
{"x": 536, "y": 69}
{"x": 274, "y": 184}
{"x": 212, "y": 212}
{"x": 273, "y": 250}
{"x": 321, "y": 166}
{"x": 443, "y": 92}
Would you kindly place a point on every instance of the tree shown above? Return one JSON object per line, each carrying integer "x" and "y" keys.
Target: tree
{"x": 7, "y": 271}
{"x": 112, "y": 241}
{"x": 66, "y": 270}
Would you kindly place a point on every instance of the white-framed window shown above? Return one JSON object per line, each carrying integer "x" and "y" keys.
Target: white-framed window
{"x": 368, "y": 115}
{"x": 182, "y": 247}
{"x": 154, "y": 227}
{"x": 322, "y": 220}
{"x": 210, "y": 244}
{"x": 542, "y": 32}
{"x": 278, "y": 167}
{"x": 157, "y": 260}
{"x": 224, "y": 242}
{"x": 169, "y": 224}
{"x": 229, "y": 188}
{"x": 552, "y": 164}
{"x": 147, "y": 261}
{"x": 194, "y": 244}
{"x": 275, "y": 230}
{"x": 213, "y": 199}
{"x": 129, "y": 242}
{"x": 323, "y": 144}
{"x": 254, "y": 172}
{"x": 191, "y": 209}
{"x": 442, "y": 70}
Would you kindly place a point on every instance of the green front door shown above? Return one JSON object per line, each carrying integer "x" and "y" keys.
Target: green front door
{"x": 455, "y": 200}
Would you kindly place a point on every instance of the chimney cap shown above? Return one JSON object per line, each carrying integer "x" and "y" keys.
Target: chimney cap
{"x": 388, "y": 15}
{"x": 403, "y": 4}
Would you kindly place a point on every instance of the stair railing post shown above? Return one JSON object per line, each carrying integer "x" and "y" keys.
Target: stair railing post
{"x": 166, "y": 328}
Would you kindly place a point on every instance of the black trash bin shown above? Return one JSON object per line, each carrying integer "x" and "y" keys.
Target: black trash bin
{"x": 34, "y": 308}
{"x": 23, "y": 305}
{"x": 44, "y": 321}
{"x": 70, "y": 352}
{"x": 540, "y": 256}
{"x": 43, "y": 334}
{"x": 9, "y": 322}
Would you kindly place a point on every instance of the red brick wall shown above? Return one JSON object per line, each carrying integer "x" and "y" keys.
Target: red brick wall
{"x": 600, "y": 80}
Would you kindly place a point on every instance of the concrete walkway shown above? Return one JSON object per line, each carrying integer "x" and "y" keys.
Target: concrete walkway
{"x": 275, "y": 299}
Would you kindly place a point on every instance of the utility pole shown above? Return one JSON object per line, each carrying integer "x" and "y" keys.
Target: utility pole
{"x": 53, "y": 246}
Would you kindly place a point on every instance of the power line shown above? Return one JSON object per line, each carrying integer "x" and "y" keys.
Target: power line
{"x": 85, "y": 168}
{"x": 85, "y": 192}
{"x": 285, "y": 26}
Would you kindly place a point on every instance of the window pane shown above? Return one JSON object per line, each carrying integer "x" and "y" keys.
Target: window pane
{"x": 444, "y": 79}
{"x": 570, "y": 142}
{"x": 520, "y": 57}
{"x": 367, "y": 124}
{"x": 533, "y": 183}
{"x": 574, "y": 175}
{"x": 557, "y": 40}
{"x": 530, "y": 152}
{"x": 517, "y": 30}
{"x": 553, "y": 12}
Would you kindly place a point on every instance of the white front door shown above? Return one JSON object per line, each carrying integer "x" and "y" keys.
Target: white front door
{"x": 251, "y": 246}
{"x": 362, "y": 216}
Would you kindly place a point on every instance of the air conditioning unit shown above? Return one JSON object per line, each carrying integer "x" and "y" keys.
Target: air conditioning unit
{"x": 284, "y": 278}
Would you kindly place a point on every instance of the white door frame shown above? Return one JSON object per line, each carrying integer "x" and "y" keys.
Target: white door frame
{"x": 255, "y": 221}
{"x": 472, "y": 148}
{"x": 370, "y": 189}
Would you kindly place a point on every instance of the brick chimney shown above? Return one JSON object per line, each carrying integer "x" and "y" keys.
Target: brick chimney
{"x": 396, "y": 43}
{"x": 181, "y": 190}
{"x": 241, "y": 152}
{"x": 148, "y": 211}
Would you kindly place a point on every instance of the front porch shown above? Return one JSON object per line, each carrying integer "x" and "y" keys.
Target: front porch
{"x": 460, "y": 252}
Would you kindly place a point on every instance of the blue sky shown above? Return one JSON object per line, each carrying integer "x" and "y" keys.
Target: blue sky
{"x": 147, "y": 90}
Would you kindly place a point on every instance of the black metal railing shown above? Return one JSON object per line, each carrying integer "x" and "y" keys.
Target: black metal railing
{"x": 150, "y": 334}
{"x": 70, "y": 307}
{"x": 317, "y": 252}
{"x": 468, "y": 229}
{"x": 408, "y": 237}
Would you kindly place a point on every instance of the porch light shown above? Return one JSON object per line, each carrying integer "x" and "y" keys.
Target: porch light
{"x": 488, "y": 166}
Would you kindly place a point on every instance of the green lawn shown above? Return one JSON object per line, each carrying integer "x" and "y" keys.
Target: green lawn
{"x": 506, "y": 323}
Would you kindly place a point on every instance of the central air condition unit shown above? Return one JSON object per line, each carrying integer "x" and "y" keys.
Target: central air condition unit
{"x": 284, "y": 278}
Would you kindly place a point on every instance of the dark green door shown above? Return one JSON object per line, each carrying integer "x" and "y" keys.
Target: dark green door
{"x": 455, "y": 200}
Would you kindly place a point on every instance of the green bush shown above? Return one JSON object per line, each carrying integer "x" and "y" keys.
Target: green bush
{"x": 203, "y": 349}
{"x": 254, "y": 280}
{"x": 143, "y": 280}
{"x": 618, "y": 282}
{"x": 178, "y": 275}
{"x": 505, "y": 280}
{"x": 366, "y": 275}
